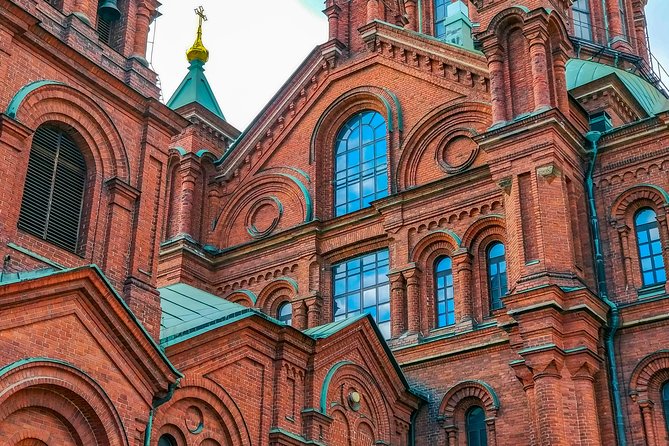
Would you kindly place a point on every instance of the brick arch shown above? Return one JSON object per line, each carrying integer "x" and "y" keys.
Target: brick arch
{"x": 442, "y": 240}
{"x": 471, "y": 116}
{"x": 350, "y": 372}
{"x": 274, "y": 294}
{"x": 37, "y": 436}
{"x": 66, "y": 391}
{"x": 206, "y": 392}
{"x": 636, "y": 197}
{"x": 466, "y": 390}
{"x": 506, "y": 19}
{"x": 482, "y": 227}
{"x": 39, "y": 103}
{"x": 649, "y": 374}
{"x": 246, "y": 298}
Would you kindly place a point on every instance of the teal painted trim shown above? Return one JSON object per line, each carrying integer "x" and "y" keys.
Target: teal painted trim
{"x": 180, "y": 150}
{"x": 456, "y": 238}
{"x": 658, "y": 189}
{"x": 326, "y": 383}
{"x": 309, "y": 211}
{"x": 301, "y": 439}
{"x": 250, "y": 294}
{"x": 400, "y": 115}
{"x": 34, "y": 255}
{"x": 600, "y": 271}
{"x": 20, "y": 363}
{"x": 15, "y": 103}
{"x": 294, "y": 169}
{"x": 203, "y": 152}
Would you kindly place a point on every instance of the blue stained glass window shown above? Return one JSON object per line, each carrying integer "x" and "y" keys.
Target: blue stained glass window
{"x": 361, "y": 162}
{"x": 361, "y": 286}
{"x": 650, "y": 247}
{"x": 497, "y": 278}
{"x": 443, "y": 275}
{"x": 477, "y": 434}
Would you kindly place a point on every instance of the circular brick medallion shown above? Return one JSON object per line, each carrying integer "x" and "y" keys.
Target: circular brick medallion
{"x": 263, "y": 217}
{"x": 457, "y": 151}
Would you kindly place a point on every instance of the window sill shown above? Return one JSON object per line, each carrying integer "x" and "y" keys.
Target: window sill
{"x": 651, "y": 291}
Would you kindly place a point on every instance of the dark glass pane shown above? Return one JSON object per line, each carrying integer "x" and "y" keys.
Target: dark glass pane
{"x": 285, "y": 313}
{"x": 477, "y": 434}
{"x": 649, "y": 247}
{"x": 444, "y": 299}
{"x": 497, "y": 280}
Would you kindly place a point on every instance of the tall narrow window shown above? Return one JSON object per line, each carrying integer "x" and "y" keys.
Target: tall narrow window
{"x": 440, "y": 13}
{"x": 477, "y": 434}
{"x": 650, "y": 247}
{"x": 581, "y": 13}
{"x": 665, "y": 403}
{"x": 360, "y": 162}
{"x": 497, "y": 281}
{"x": 361, "y": 286}
{"x": 54, "y": 188}
{"x": 443, "y": 278}
{"x": 623, "y": 18}
{"x": 285, "y": 313}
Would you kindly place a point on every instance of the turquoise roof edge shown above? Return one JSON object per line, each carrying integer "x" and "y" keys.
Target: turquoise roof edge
{"x": 581, "y": 72}
{"x": 195, "y": 88}
{"x": 125, "y": 306}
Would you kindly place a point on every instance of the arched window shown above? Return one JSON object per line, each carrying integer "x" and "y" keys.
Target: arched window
{"x": 361, "y": 286}
{"x": 167, "y": 440}
{"x": 497, "y": 281}
{"x": 285, "y": 313}
{"x": 581, "y": 14}
{"x": 650, "y": 247}
{"x": 360, "y": 162}
{"x": 443, "y": 278}
{"x": 477, "y": 434}
{"x": 665, "y": 403}
{"x": 54, "y": 189}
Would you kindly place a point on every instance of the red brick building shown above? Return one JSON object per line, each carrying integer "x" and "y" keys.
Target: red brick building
{"x": 449, "y": 227}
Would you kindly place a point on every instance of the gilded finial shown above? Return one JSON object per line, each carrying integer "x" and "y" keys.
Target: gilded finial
{"x": 198, "y": 51}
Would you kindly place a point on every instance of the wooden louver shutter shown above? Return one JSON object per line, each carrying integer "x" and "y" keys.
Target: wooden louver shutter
{"x": 54, "y": 188}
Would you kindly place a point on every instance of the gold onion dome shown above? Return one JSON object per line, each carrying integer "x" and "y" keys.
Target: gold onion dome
{"x": 198, "y": 50}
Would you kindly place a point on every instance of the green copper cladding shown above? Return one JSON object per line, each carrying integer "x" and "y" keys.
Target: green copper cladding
{"x": 582, "y": 72}
{"x": 195, "y": 89}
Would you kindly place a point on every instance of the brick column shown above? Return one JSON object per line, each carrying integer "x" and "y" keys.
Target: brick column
{"x": 498, "y": 98}
{"x": 398, "y": 304}
{"x": 413, "y": 299}
{"x": 332, "y": 12}
{"x": 524, "y": 375}
{"x": 142, "y": 23}
{"x": 314, "y": 304}
{"x": 300, "y": 315}
{"x": 648, "y": 423}
{"x": 451, "y": 435}
{"x": 559, "y": 77}
{"x": 410, "y": 6}
{"x": 85, "y": 10}
{"x": 462, "y": 266}
{"x": 539, "y": 65}
{"x": 623, "y": 234}
{"x": 187, "y": 191}
{"x": 548, "y": 400}
{"x": 372, "y": 10}
{"x": 122, "y": 200}
{"x": 492, "y": 436}
{"x": 583, "y": 377}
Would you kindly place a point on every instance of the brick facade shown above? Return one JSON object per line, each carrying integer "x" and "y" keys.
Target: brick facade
{"x": 482, "y": 146}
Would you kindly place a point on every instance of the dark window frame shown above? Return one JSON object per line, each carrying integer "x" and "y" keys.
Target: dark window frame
{"x": 582, "y": 19}
{"x": 649, "y": 249}
{"x": 496, "y": 275}
{"x": 360, "y": 285}
{"x": 477, "y": 435}
{"x": 286, "y": 318}
{"x": 360, "y": 162}
{"x": 444, "y": 292}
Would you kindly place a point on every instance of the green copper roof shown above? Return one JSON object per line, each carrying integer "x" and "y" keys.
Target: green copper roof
{"x": 581, "y": 72}
{"x": 327, "y": 330}
{"x": 195, "y": 89}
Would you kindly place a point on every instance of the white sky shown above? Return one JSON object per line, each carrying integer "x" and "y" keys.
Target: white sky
{"x": 256, "y": 45}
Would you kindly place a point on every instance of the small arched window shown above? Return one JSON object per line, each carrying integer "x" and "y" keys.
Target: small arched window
{"x": 477, "y": 434}
{"x": 650, "y": 247}
{"x": 361, "y": 162}
{"x": 665, "y": 403}
{"x": 285, "y": 313}
{"x": 54, "y": 188}
{"x": 497, "y": 280}
{"x": 167, "y": 440}
{"x": 443, "y": 278}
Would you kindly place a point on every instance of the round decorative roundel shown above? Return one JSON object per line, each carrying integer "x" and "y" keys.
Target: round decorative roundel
{"x": 263, "y": 217}
{"x": 457, "y": 151}
{"x": 194, "y": 420}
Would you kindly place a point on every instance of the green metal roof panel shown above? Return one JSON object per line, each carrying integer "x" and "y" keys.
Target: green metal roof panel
{"x": 327, "y": 330}
{"x": 580, "y": 72}
{"x": 195, "y": 88}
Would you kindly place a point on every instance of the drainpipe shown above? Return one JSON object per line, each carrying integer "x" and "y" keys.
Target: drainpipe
{"x": 605, "y": 14}
{"x": 602, "y": 292}
{"x": 157, "y": 402}
{"x": 412, "y": 428}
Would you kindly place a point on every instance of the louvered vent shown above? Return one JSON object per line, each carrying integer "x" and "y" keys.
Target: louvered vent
{"x": 54, "y": 188}
{"x": 104, "y": 30}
